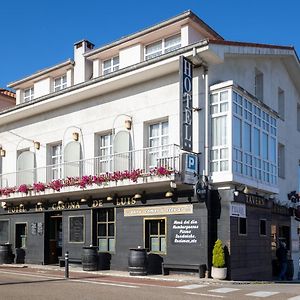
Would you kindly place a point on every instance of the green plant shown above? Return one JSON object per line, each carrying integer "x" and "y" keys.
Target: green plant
{"x": 218, "y": 260}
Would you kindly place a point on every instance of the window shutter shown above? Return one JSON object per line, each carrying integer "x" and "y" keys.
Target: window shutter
{"x": 121, "y": 147}
{"x": 26, "y": 168}
{"x": 72, "y": 156}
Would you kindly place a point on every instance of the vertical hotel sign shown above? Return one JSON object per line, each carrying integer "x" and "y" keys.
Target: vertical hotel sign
{"x": 186, "y": 103}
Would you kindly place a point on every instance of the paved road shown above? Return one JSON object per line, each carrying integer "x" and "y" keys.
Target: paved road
{"x": 44, "y": 284}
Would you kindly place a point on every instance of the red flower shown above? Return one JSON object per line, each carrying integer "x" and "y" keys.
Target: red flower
{"x": 39, "y": 187}
{"x": 56, "y": 185}
{"x": 23, "y": 188}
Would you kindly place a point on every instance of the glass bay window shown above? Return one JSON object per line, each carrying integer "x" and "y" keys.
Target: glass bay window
{"x": 243, "y": 137}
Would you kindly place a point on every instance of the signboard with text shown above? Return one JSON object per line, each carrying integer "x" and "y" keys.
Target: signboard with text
{"x": 186, "y": 103}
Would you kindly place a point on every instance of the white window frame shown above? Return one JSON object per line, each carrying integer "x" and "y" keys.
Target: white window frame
{"x": 164, "y": 49}
{"x": 161, "y": 150}
{"x": 56, "y": 161}
{"x": 219, "y": 110}
{"x": 105, "y": 151}
{"x": 30, "y": 95}
{"x": 256, "y": 167}
{"x": 60, "y": 82}
{"x": 114, "y": 64}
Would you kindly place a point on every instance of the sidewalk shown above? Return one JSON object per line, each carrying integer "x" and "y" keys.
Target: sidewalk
{"x": 185, "y": 278}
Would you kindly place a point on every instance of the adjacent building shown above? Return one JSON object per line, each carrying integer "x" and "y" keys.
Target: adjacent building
{"x": 166, "y": 139}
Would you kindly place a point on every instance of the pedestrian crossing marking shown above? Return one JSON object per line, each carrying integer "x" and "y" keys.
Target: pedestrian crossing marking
{"x": 294, "y": 298}
{"x": 192, "y": 286}
{"x": 224, "y": 290}
{"x": 262, "y": 294}
{"x": 205, "y": 295}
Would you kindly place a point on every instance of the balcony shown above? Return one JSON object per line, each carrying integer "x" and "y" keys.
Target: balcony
{"x": 156, "y": 165}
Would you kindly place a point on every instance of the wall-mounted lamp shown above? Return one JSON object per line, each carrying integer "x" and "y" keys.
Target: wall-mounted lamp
{"x": 137, "y": 196}
{"x": 75, "y": 136}
{"x": 21, "y": 205}
{"x": 236, "y": 193}
{"x": 60, "y": 202}
{"x": 3, "y": 204}
{"x": 83, "y": 200}
{"x": 128, "y": 124}
{"x": 244, "y": 189}
{"x": 109, "y": 198}
{"x": 37, "y": 145}
{"x": 2, "y": 152}
{"x": 169, "y": 194}
{"x": 39, "y": 203}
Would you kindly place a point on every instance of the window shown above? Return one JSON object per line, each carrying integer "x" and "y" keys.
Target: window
{"x": 28, "y": 94}
{"x": 158, "y": 142}
{"x": 26, "y": 172}
{"x": 281, "y": 161}
{"x": 281, "y": 103}
{"x": 106, "y": 229}
{"x": 60, "y": 83}
{"x": 155, "y": 235}
{"x": 219, "y": 131}
{"x": 21, "y": 235}
{"x": 242, "y": 226}
{"x": 4, "y": 231}
{"x": 262, "y": 227}
{"x": 105, "y": 159}
{"x": 163, "y": 46}
{"x": 110, "y": 65}
{"x": 56, "y": 161}
{"x": 259, "y": 84}
{"x": 254, "y": 139}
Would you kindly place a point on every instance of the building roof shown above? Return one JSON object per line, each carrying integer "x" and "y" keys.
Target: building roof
{"x": 42, "y": 72}
{"x": 7, "y": 93}
{"x": 187, "y": 14}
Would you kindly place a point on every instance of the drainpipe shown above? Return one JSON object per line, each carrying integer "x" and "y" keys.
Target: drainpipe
{"x": 206, "y": 129}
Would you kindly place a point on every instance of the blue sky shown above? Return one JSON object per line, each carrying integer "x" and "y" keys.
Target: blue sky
{"x": 38, "y": 34}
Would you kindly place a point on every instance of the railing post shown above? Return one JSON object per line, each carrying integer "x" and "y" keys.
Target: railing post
{"x": 67, "y": 265}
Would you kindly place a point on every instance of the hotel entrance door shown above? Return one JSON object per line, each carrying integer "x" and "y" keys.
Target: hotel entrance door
{"x": 53, "y": 243}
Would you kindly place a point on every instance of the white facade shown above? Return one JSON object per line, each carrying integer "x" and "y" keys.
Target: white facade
{"x": 147, "y": 92}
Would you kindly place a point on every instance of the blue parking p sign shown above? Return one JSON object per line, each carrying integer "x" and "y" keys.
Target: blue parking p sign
{"x": 191, "y": 163}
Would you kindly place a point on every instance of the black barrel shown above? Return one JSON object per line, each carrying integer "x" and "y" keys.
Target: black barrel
{"x": 90, "y": 258}
{"x": 137, "y": 262}
{"x": 6, "y": 255}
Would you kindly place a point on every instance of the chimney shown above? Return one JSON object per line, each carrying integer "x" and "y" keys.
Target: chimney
{"x": 83, "y": 69}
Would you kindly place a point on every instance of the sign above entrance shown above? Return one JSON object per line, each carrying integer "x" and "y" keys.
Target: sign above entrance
{"x": 158, "y": 210}
{"x": 238, "y": 210}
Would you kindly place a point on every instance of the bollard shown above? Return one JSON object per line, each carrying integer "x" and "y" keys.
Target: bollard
{"x": 67, "y": 265}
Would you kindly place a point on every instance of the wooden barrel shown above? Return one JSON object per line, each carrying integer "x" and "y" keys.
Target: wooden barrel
{"x": 6, "y": 256}
{"x": 90, "y": 258}
{"x": 137, "y": 262}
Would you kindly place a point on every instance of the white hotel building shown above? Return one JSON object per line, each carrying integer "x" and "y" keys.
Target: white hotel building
{"x": 93, "y": 153}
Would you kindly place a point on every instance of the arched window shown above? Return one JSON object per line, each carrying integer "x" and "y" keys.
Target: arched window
{"x": 26, "y": 172}
{"x": 122, "y": 146}
{"x": 72, "y": 157}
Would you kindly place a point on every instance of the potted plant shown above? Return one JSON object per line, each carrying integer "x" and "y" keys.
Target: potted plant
{"x": 218, "y": 270}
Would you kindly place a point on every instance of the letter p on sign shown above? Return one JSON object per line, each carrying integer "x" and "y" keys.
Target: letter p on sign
{"x": 191, "y": 163}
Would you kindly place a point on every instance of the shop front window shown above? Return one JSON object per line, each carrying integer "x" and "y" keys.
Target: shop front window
{"x": 155, "y": 235}
{"x": 4, "y": 235}
{"x": 106, "y": 230}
